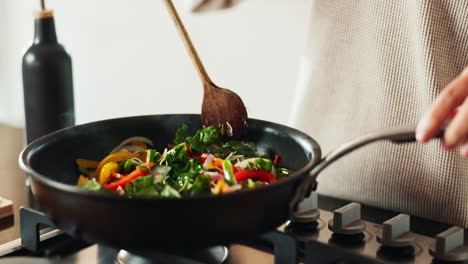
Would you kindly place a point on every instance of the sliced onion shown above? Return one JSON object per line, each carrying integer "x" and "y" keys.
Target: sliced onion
{"x": 233, "y": 188}
{"x": 237, "y": 158}
{"x": 129, "y": 148}
{"x": 144, "y": 168}
{"x": 229, "y": 129}
{"x": 161, "y": 170}
{"x": 123, "y": 144}
{"x": 120, "y": 191}
{"x": 243, "y": 164}
{"x": 163, "y": 157}
{"x": 215, "y": 176}
{"x": 208, "y": 161}
{"x": 158, "y": 179}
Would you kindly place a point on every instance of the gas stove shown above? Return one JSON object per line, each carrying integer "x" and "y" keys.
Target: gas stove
{"x": 327, "y": 230}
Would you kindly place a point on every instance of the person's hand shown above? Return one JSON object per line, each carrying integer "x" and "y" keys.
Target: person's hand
{"x": 451, "y": 104}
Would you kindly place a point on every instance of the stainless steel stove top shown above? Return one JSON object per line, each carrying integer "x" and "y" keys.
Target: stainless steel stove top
{"x": 305, "y": 241}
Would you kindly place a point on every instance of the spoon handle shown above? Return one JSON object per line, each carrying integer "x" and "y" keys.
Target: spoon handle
{"x": 188, "y": 44}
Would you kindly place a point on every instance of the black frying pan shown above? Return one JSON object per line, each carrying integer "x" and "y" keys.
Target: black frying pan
{"x": 144, "y": 223}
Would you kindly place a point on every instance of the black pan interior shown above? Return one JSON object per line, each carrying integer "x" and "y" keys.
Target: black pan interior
{"x": 148, "y": 223}
{"x": 55, "y": 158}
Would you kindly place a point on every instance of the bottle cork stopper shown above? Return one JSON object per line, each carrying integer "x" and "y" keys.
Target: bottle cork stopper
{"x": 42, "y": 14}
{"x": 6, "y": 208}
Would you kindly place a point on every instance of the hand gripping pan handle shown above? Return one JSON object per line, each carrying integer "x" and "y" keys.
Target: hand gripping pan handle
{"x": 396, "y": 135}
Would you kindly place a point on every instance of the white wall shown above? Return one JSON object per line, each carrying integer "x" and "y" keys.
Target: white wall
{"x": 129, "y": 60}
{"x": 3, "y": 48}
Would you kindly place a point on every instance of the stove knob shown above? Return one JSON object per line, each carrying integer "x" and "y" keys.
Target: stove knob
{"x": 396, "y": 232}
{"x": 308, "y": 211}
{"x": 347, "y": 220}
{"x": 449, "y": 246}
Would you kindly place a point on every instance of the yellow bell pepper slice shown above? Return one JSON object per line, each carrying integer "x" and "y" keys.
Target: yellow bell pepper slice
{"x": 107, "y": 171}
{"x": 116, "y": 157}
{"x": 219, "y": 187}
{"x": 87, "y": 164}
{"x": 82, "y": 180}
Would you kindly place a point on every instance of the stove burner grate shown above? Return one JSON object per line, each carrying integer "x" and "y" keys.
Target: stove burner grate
{"x": 212, "y": 255}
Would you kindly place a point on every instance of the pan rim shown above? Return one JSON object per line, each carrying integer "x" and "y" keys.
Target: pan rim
{"x": 24, "y": 158}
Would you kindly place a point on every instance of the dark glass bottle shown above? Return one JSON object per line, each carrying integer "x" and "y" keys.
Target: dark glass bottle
{"x": 47, "y": 81}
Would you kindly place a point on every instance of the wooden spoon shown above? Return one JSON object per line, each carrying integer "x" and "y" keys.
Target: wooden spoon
{"x": 221, "y": 107}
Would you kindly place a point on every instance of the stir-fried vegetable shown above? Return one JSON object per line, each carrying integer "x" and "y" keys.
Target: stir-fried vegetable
{"x": 107, "y": 170}
{"x": 229, "y": 172}
{"x": 82, "y": 180}
{"x": 125, "y": 180}
{"x": 193, "y": 165}
{"x": 257, "y": 174}
{"x": 119, "y": 156}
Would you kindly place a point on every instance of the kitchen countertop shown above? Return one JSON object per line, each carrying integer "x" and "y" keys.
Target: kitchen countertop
{"x": 12, "y": 179}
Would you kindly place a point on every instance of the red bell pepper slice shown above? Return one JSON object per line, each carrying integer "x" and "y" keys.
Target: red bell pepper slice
{"x": 276, "y": 160}
{"x": 257, "y": 174}
{"x": 130, "y": 177}
{"x": 117, "y": 175}
{"x": 122, "y": 182}
{"x": 195, "y": 155}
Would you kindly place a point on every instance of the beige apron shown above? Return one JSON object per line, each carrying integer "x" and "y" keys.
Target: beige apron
{"x": 373, "y": 64}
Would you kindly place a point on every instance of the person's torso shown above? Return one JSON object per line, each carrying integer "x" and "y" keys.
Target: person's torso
{"x": 376, "y": 64}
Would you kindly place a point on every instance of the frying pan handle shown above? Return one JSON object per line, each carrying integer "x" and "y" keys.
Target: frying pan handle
{"x": 396, "y": 135}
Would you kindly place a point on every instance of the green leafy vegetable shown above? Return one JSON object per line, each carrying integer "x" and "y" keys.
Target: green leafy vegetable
{"x": 181, "y": 135}
{"x": 178, "y": 171}
{"x": 201, "y": 183}
{"x": 203, "y": 139}
{"x": 192, "y": 166}
{"x": 143, "y": 186}
{"x": 241, "y": 148}
{"x": 177, "y": 154}
{"x": 261, "y": 163}
{"x": 206, "y": 140}
{"x": 183, "y": 180}
{"x": 264, "y": 164}
{"x": 184, "y": 176}
{"x": 237, "y": 147}
{"x": 252, "y": 184}
{"x": 93, "y": 185}
{"x": 229, "y": 172}
{"x": 168, "y": 191}
{"x": 152, "y": 155}
{"x": 129, "y": 165}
